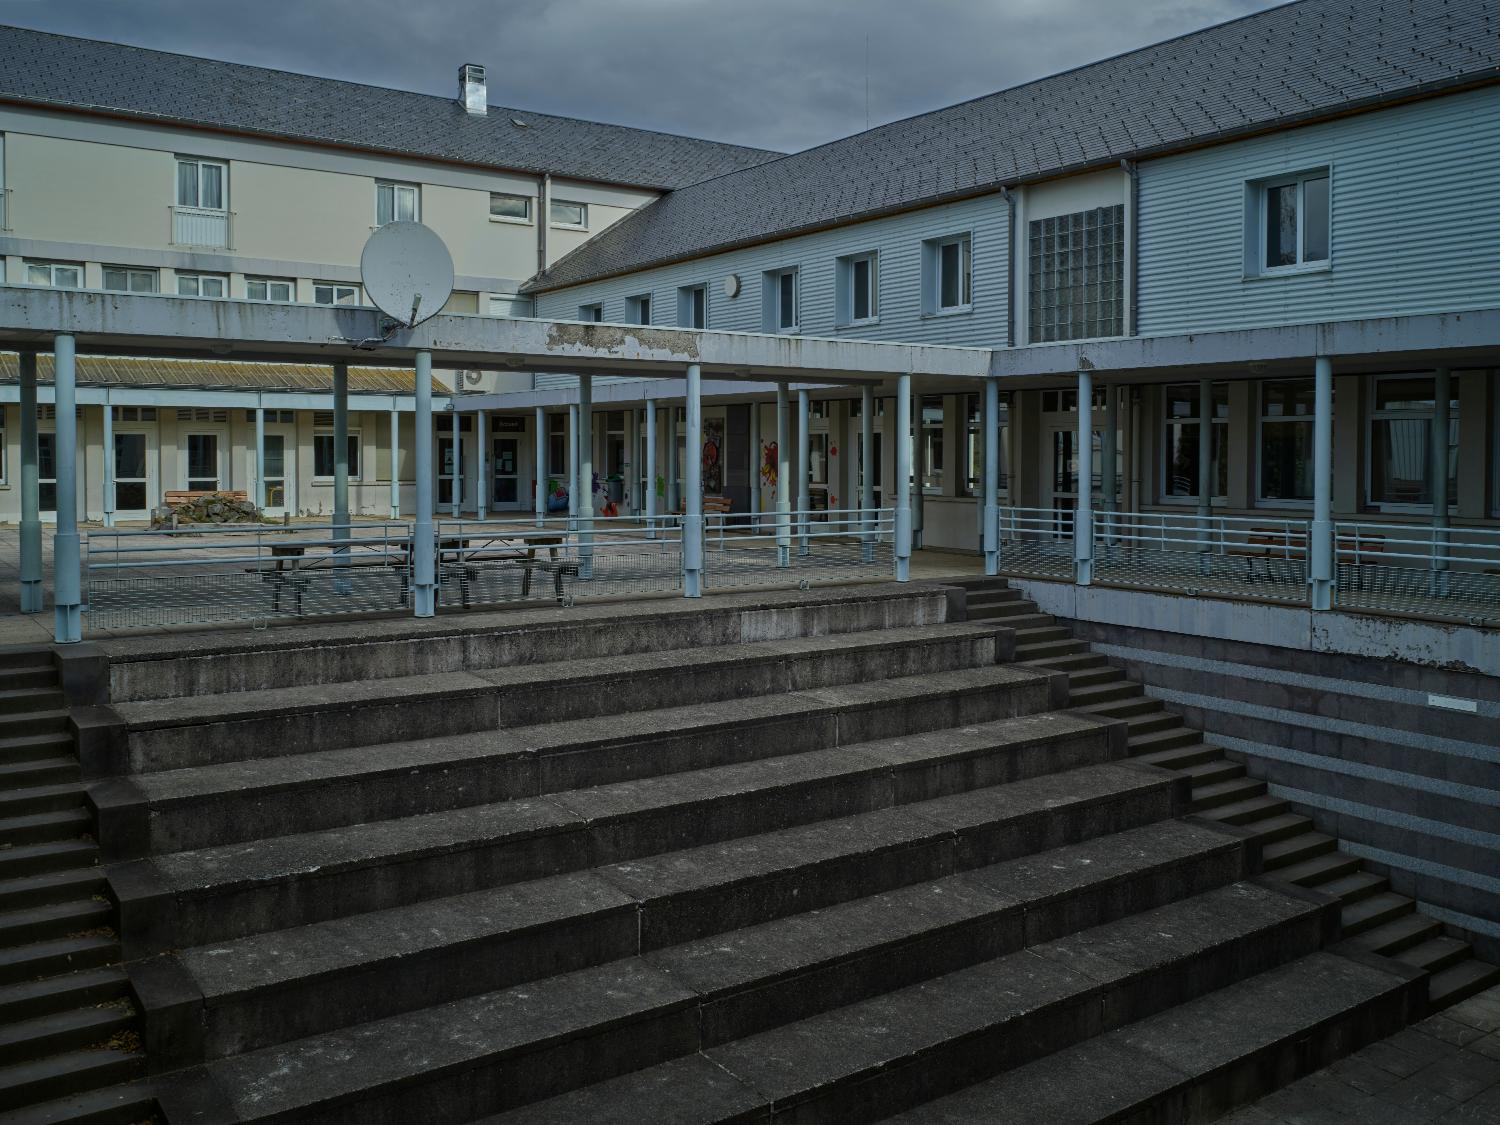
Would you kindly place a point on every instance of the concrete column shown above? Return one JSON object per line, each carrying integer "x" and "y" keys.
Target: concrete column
{"x": 650, "y": 468}
{"x": 804, "y": 461}
{"x": 31, "y": 515}
{"x": 1442, "y": 392}
{"x": 1320, "y": 546}
{"x": 458, "y": 462}
{"x": 1107, "y": 452}
{"x": 539, "y": 459}
{"x": 783, "y": 479}
{"x": 586, "y": 476}
{"x": 424, "y": 542}
{"x": 692, "y": 522}
{"x": 754, "y": 466}
{"x": 991, "y": 484}
{"x": 673, "y": 498}
{"x": 903, "y": 478}
{"x": 867, "y": 465}
{"x": 67, "y": 577}
{"x": 108, "y": 476}
{"x": 572, "y": 466}
{"x": 341, "y": 463}
{"x": 1083, "y": 518}
{"x": 918, "y": 464}
{"x": 482, "y": 475}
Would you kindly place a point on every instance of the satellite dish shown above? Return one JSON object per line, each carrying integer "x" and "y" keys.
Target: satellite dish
{"x": 407, "y": 272}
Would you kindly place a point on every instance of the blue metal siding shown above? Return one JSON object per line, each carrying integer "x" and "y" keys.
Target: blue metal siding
{"x": 1416, "y": 221}
{"x": 899, "y": 240}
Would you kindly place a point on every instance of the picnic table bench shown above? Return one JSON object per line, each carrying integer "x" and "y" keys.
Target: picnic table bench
{"x": 1286, "y": 546}
{"x": 291, "y": 564}
{"x": 465, "y": 556}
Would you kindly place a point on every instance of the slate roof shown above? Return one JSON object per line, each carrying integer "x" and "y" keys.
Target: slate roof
{"x": 1292, "y": 63}
{"x": 59, "y": 70}
{"x": 220, "y": 375}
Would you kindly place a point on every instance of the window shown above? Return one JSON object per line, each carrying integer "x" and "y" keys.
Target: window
{"x": 1292, "y": 222}
{"x": 1076, "y": 275}
{"x": 1400, "y": 442}
{"x": 120, "y": 279}
{"x": 557, "y": 445}
{"x": 323, "y": 456}
{"x": 203, "y": 462}
{"x": 859, "y": 288}
{"x": 202, "y": 285}
{"x": 330, "y": 293}
{"x": 692, "y": 306}
{"x": 1180, "y": 441}
{"x": 508, "y": 208}
{"x": 268, "y": 289}
{"x": 779, "y": 293}
{"x": 396, "y": 203}
{"x": 593, "y": 313}
{"x": 930, "y": 449}
{"x": 569, "y": 213}
{"x": 60, "y": 275}
{"x": 638, "y": 309}
{"x": 973, "y": 458}
{"x": 201, "y": 183}
{"x": 947, "y": 277}
{"x": 1286, "y": 440}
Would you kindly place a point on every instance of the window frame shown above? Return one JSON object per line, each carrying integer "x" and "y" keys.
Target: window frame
{"x": 290, "y": 283}
{"x": 583, "y": 214}
{"x": 932, "y": 274}
{"x": 199, "y": 163}
{"x": 335, "y": 286}
{"x": 639, "y": 308}
{"x": 200, "y": 278}
{"x": 592, "y": 313}
{"x": 771, "y": 304}
{"x": 525, "y": 220}
{"x": 131, "y": 273}
{"x": 1373, "y": 414}
{"x": 322, "y": 436}
{"x": 847, "y": 271}
{"x": 1164, "y": 420}
{"x": 1262, "y": 418}
{"x": 396, "y": 187}
{"x": 1257, "y": 224}
{"x": 29, "y": 264}
{"x": 688, "y": 297}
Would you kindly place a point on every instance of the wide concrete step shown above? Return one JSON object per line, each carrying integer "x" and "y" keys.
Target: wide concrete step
{"x": 807, "y": 952}
{"x": 210, "y": 894}
{"x": 1191, "y": 1063}
{"x": 241, "y": 801}
{"x": 83, "y": 988}
{"x": 240, "y": 726}
{"x": 512, "y": 1047}
{"x": 69, "y": 1072}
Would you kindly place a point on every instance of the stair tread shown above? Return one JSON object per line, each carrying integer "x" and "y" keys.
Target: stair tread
{"x": 1253, "y": 808}
{"x": 19, "y": 958}
{"x": 92, "y": 1066}
{"x": 86, "y": 1021}
{"x": 1316, "y": 871}
{"x": 1427, "y": 953}
{"x": 1376, "y": 906}
{"x": 1395, "y": 935}
{"x": 63, "y": 986}
{"x": 84, "y": 850}
{"x": 11, "y": 825}
{"x": 1229, "y": 787}
{"x": 127, "y": 1104}
{"x": 1295, "y": 844}
{"x": 82, "y": 879}
{"x": 1354, "y": 884}
{"x": 1279, "y": 827}
{"x": 1458, "y": 982}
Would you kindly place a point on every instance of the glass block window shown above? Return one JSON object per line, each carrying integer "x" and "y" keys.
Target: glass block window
{"x": 1077, "y": 275}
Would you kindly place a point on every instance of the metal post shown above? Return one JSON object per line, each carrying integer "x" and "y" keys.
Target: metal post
{"x": 867, "y": 467}
{"x": 992, "y": 476}
{"x": 539, "y": 460}
{"x": 919, "y": 464}
{"x": 259, "y": 493}
{"x": 783, "y": 479}
{"x": 755, "y": 466}
{"x": 424, "y": 542}
{"x": 395, "y": 463}
{"x": 341, "y": 466}
{"x": 457, "y": 483}
{"x": 631, "y": 489}
{"x": 1320, "y": 547}
{"x": 903, "y": 478}
{"x": 573, "y": 466}
{"x": 692, "y": 523}
{"x": 67, "y": 579}
{"x": 585, "y": 476}
{"x": 674, "y": 468}
{"x": 109, "y": 463}
{"x": 1083, "y": 518}
{"x": 804, "y": 461}
{"x": 650, "y": 468}
{"x": 1206, "y": 474}
{"x": 1442, "y": 393}
{"x": 31, "y": 515}
{"x": 1108, "y": 482}
{"x": 481, "y": 474}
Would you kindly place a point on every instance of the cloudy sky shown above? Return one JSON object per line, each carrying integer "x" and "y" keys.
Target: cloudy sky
{"x": 782, "y": 74}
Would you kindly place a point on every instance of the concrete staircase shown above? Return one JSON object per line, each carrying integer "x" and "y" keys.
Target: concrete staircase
{"x": 821, "y": 856}
{"x": 1374, "y": 918}
{"x": 68, "y": 1029}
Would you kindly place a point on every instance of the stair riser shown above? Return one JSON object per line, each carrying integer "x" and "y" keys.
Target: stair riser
{"x": 73, "y": 1039}
{"x": 35, "y": 699}
{"x": 25, "y": 774}
{"x": 38, "y": 967}
{"x": 36, "y": 678}
{"x": 38, "y": 896}
{"x": 23, "y": 723}
{"x": 1215, "y": 800}
{"x": 30, "y": 749}
{"x": 18, "y": 868}
{"x": 15, "y": 804}
{"x": 108, "y": 1069}
{"x": 61, "y": 1000}
{"x": 45, "y": 829}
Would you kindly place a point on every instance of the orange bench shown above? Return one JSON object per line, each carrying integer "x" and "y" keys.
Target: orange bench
{"x": 173, "y": 497}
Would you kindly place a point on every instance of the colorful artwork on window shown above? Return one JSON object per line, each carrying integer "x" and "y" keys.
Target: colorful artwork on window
{"x": 713, "y": 456}
{"x": 769, "y": 460}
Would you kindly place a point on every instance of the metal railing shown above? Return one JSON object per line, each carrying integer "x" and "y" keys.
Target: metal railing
{"x": 799, "y": 548}
{"x": 1183, "y": 551}
{"x": 496, "y": 561}
{"x": 1036, "y": 542}
{"x": 227, "y": 573}
{"x": 1409, "y": 568}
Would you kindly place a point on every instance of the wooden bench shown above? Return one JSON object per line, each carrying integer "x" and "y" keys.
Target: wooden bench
{"x": 1285, "y": 546}
{"x": 173, "y": 497}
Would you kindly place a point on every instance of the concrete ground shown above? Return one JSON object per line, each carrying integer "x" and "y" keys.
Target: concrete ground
{"x": 1444, "y": 1070}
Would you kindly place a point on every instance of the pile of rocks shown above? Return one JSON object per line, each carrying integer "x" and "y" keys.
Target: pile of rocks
{"x": 212, "y": 508}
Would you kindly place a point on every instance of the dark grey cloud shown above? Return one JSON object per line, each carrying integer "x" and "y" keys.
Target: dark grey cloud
{"x": 782, "y": 74}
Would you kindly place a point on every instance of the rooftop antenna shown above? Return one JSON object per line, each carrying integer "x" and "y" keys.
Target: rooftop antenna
{"x": 407, "y": 272}
{"x": 867, "y": 81}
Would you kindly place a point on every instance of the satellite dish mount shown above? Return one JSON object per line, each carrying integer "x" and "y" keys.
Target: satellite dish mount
{"x": 407, "y": 272}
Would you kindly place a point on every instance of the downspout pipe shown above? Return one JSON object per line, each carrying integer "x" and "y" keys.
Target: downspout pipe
{"x": 1132, "y": 234}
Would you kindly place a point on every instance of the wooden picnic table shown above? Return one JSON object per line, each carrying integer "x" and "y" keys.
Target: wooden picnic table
{"x": 291, "y": 560}
{"x": 466, "y": 554}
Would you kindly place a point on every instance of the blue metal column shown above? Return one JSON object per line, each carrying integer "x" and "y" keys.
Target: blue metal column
{"x": 341, "y": 466}
{"x": 31, "y": 514}
{"x": 903, "y": 478}
{"x": 991, "y": 483}
{"x": 539, "y": 457}
{"x": 424, "y": 542}
{"x": 482, "y": 475}
{"x": 1320, "y": 534}
{"x": 395, "y": 463}
{"x": 573, "y": 466}
{"x": 67, "y": 579}
{"x": 108, "y": 481}
{"x": 650, "y": 468}
{"x": 692, "y": 522}
{"x": 867, "y": 468}
{"x": 1442, "y": 394}
{"x": 1083, "y": 519}
{"x": 585, "y": 476}
{"x": 783, "y": 480}
{"x": 804, "y": 460}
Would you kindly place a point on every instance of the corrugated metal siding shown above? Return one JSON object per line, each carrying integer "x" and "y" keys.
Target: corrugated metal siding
{"x": 552, "y": 382}
{"x": 1416, "y": 221}
{"x": 899, "y": 240}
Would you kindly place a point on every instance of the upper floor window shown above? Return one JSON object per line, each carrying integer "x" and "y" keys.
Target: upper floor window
{"x": 859, "y": 288}
{"x": 569, "y": 213}
{"x": 201, "y": 183}
{"x": 593, "y": 313}
{"x": 121, "y": 279}
{"x": 202, "y": 285}
{"x": 638, "y": 309}
{"x": 1293, "y": 220}
{"x": 268, "y": 289}
{"x": 1076, "y": 275}
{"x": 61, "y": 275}
{"x": 692, "y": 306}
{"x": 947, "y": 275}
{"x": 779, "y": 301}
{"x": 396, "y": 203}
{"x": 1400, "y": 441}
{"x": 329, "y": 293}
{"x": 510, "y": 208}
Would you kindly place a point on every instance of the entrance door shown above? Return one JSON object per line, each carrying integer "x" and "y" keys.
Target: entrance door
{"x": 203, "y": 462}
{"x": 46, "y": 471}
{"x": 859, "y": 469}
{"x": 505, "y": 459}
{"x": 276, "y": 475}
{"x": 446, "y": 466}
{"x": 131, "y": 473}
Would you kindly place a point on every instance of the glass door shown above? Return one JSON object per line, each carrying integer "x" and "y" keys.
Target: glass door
{"x": 859, "y": 470}
{"x": 276, "y": 477}
{"x": 132, "y": 486}
{"x": 446, "y": 467}
{"x": 506, "y": 458}
{"x": 46, "y": 471}
{"x": 201, "y": 452}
